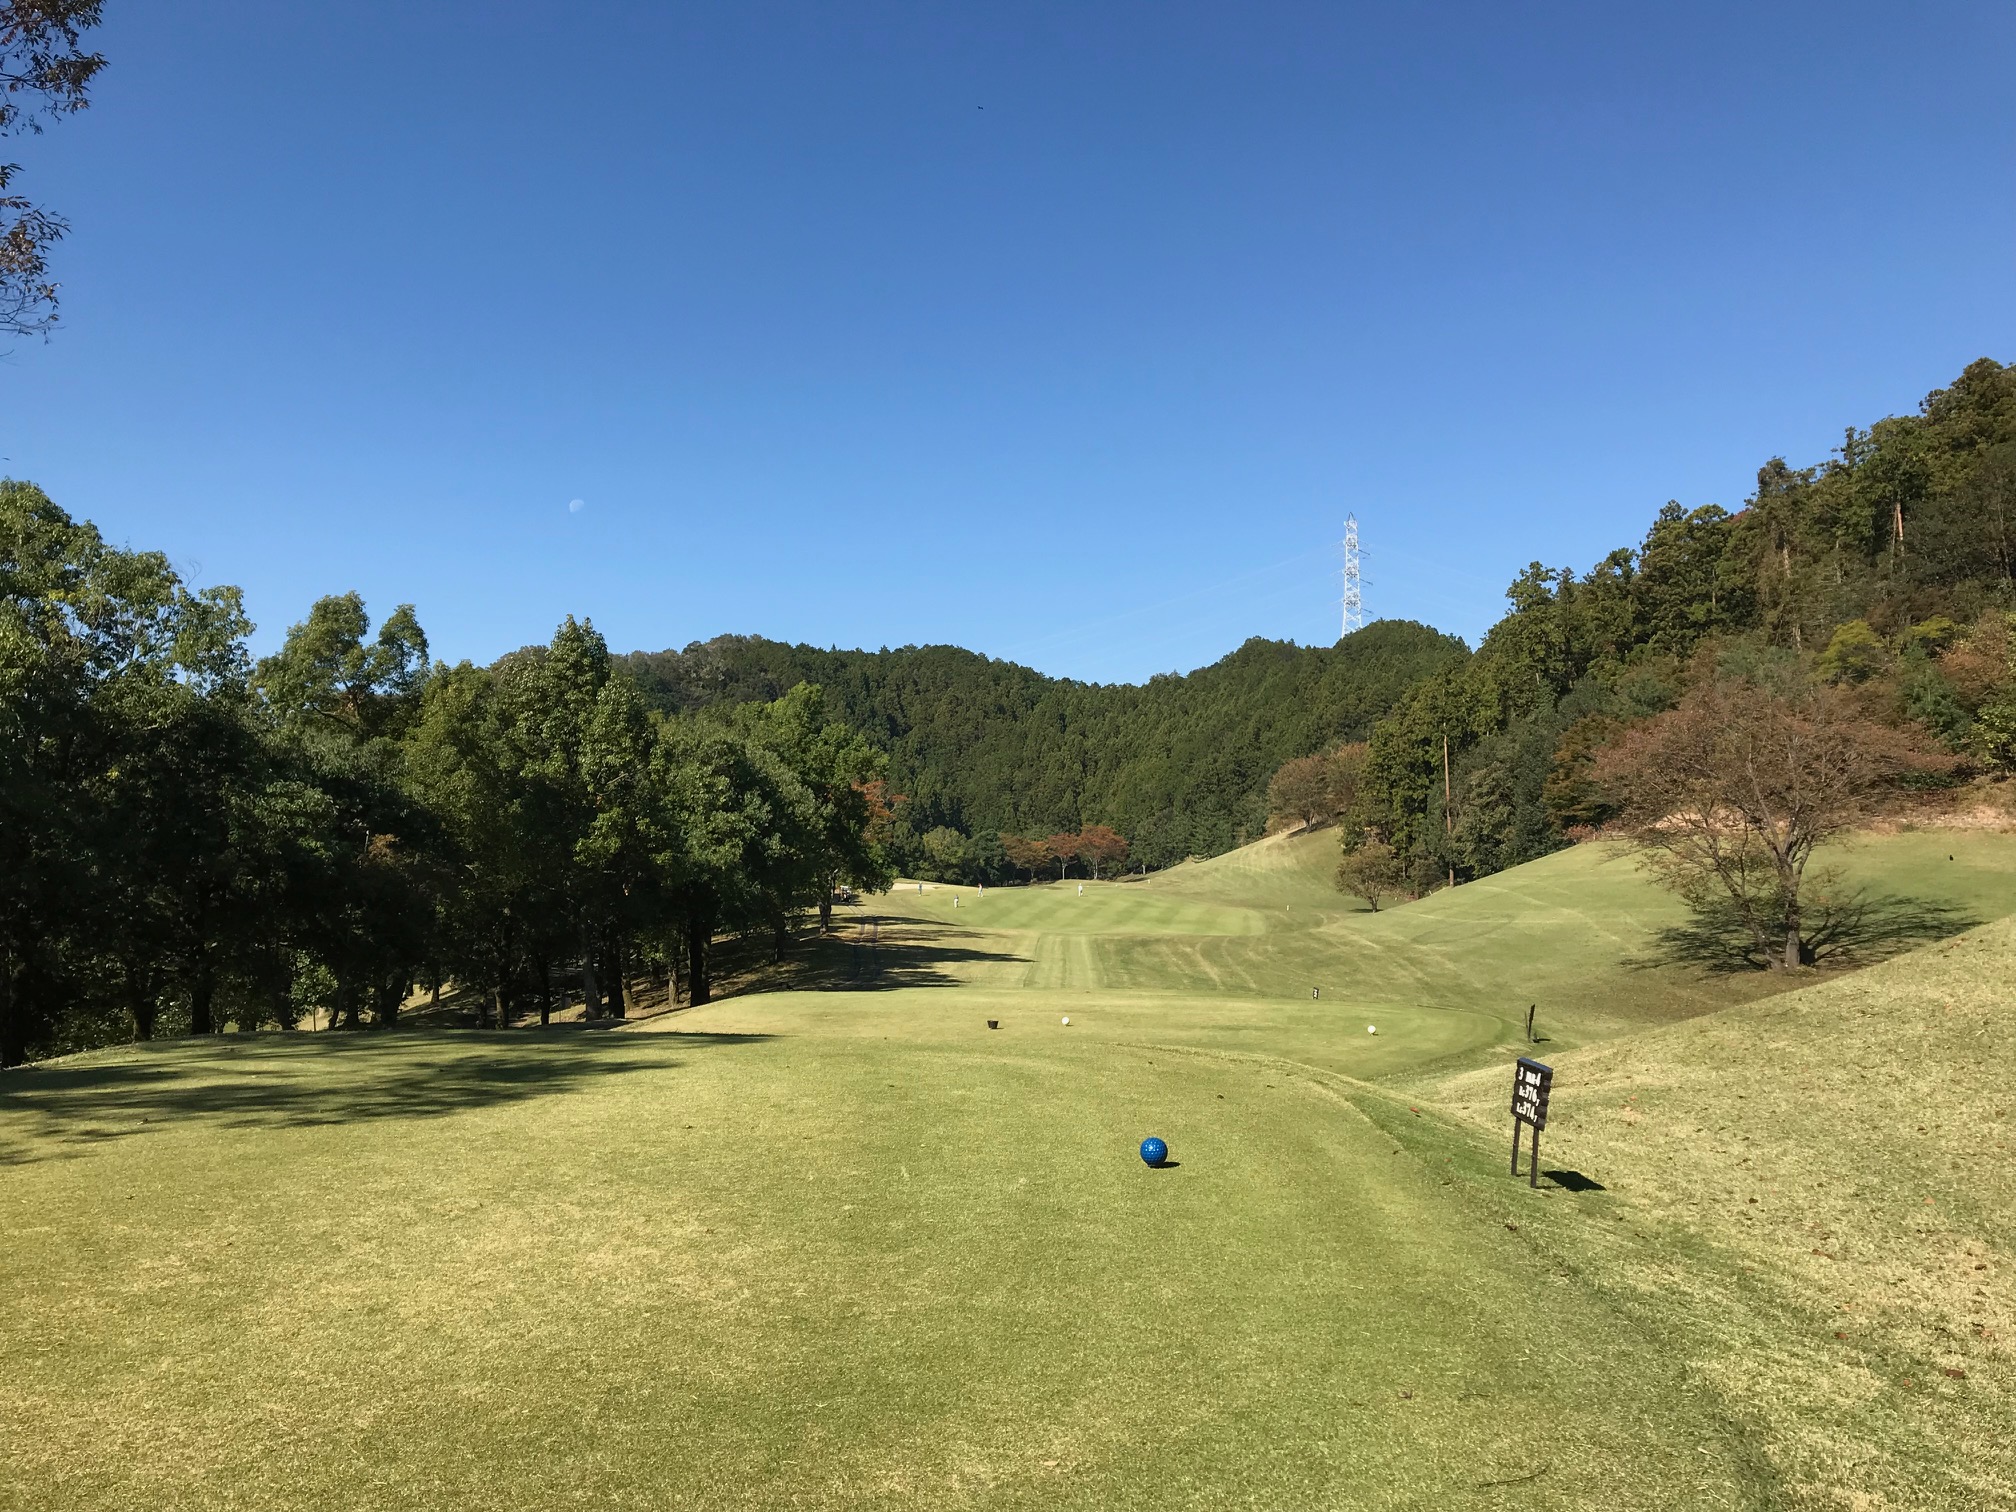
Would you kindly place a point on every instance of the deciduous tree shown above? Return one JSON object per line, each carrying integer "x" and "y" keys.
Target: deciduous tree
{"x": 1729, "y": 795}
{"x": 1063, "y": 849}
{"x": 1372, "y": 871}
{"x": 45, "y": 73}
{"x": 1099, "y": 846}
{"x": 1300, "y": 792}
{"x": 1025, "y": 854}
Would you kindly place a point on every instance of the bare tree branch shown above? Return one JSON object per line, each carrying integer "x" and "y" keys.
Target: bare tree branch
{"x": 44, "y": 72}
{"x": 1729, "y": 795}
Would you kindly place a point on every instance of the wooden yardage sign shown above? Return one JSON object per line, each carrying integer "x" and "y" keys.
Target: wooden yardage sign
{"x": 1531, "y": 1083}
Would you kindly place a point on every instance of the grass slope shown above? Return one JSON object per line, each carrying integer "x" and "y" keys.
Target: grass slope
{"x": 1573, "y": 932}
{"x": 850, "y": 1248}
{"x": 1818, "y": 1194}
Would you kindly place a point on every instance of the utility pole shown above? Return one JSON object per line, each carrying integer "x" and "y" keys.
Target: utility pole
{"x": 1354, "y": 599}
{"x": 1448, "y": 802}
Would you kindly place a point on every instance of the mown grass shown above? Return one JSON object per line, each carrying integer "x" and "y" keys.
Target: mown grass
{"x": 851, "y": 1248}
{"x": 1577, "y": 933}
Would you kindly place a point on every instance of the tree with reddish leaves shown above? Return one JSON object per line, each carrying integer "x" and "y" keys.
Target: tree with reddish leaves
{"x": 1313, "y": 790}
{"x": 1025, "y": 854}
{"x": 1729, "y": 795}
{"x": 1099, "y": 846}
{"x": 1063, "y": 849}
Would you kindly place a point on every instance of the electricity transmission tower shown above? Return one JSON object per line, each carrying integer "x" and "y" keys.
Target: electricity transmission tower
{"x": 1354, "y": 598}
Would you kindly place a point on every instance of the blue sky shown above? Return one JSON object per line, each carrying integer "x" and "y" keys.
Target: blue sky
{"x": 1068, "y": 333}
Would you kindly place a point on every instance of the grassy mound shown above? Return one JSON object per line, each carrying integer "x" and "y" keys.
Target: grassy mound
{"x": 1818, "y": 1194}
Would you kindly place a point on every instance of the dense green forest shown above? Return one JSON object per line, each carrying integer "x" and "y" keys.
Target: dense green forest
{"x": 1179, "y": 765}
{"x": 1884, "y": 571}
{"x": 189, "y": 839}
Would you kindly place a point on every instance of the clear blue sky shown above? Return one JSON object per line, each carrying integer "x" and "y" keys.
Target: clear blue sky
{"x": 1064, "y": 332}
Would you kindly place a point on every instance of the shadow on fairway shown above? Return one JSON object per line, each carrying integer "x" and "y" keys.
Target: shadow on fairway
{"x": 300, "y": 1081}
{"x": 895, "y": 958}
{"x": 1857, "y": 930}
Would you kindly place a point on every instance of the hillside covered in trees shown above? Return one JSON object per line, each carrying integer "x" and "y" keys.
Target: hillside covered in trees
{"x": 1179, "y": 765}
{"x": 1883, "y": 575}
{"x": 1885, "y": 569}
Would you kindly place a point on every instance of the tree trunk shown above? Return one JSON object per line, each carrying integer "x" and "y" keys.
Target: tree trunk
{"x": 347, "y": 1004}
{"x": 826, "y": 910}
{"x": 202, "y": 993}
{"x": 13, "y": 1015}
{"x": 591, "y": 991}
{"x": 140, "y": 1003}
{"x": 1792, "y": 944}
{"x": 612, "y": 981}
{"x": 699, "y": 933}
{"x": 545, "y": 980}
{"x": 389, "y": 994}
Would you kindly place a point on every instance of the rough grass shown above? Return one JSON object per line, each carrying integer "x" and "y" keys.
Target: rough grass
{"x": 1818, "y": 1195}
{"x": 850, "y": 1248}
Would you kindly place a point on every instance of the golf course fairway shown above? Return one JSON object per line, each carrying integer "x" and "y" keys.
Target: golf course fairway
{"x": 846, "y": 1246}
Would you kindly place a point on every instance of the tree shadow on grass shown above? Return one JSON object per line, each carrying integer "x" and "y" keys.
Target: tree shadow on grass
{"x": 1856, "y": 930}
{"x": 880, "y": 955}
{"x": 292, "y": 1081}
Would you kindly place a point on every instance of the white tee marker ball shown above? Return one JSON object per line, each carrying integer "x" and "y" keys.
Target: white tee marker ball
{"x": 1371, "y": 1028}
{"x": 1067, "y": 1018}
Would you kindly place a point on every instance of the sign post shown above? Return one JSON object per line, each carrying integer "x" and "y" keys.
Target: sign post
{"x": 1531, "y": 1085}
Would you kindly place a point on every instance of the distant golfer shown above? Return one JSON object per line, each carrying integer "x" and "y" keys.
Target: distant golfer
{"x": 1081, "y": 889}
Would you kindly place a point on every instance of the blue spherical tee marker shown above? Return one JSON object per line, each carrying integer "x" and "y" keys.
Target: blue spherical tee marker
{"x": 1153, "y": 1151}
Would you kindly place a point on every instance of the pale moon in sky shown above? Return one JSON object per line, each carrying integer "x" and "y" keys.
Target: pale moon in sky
{"x": 575, "y": 506}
